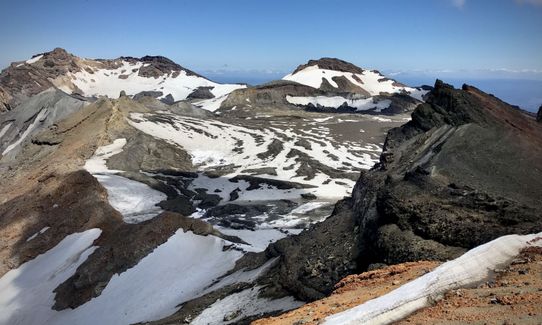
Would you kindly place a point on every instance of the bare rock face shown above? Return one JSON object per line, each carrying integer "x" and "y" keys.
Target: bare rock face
{"x": 22, "y": 80}
{"x": 331, "y": 64}
{"x": 444, "y": 185}
{"x": 201, "y": 93}
{"x": 158, "y": 66}
{"x": 444, "y": 178}
{"x": 5, "y": 98}
{"x": 270, "y": 94}
{"x": 539, "y": 114}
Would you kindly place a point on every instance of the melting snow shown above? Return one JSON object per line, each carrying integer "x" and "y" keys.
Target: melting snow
{"x": 26, "y": 293}
{"x": 371, "y": 81}
{"x": 471, "y": 268}
{"x": 362, "y": 104}
{"x": 134, "y": 200}
{"x": 34, "y": 59}
{"x": 213, "y": 143}
{"x": 243, "y": 304}
{"x": 108, "y": 82}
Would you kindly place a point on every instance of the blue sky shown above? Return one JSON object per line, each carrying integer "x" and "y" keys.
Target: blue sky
{"x": 248, "y": 38}
{"x": 279, "y": 35}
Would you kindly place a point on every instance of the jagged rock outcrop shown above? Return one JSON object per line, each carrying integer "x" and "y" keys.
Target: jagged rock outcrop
{"x": 22, "y": 80}
{"x": 201, "y": 93}
{"x": 331, "y": 64}
{"x": 539, "y": 114}
{"x": 452, "y": 178}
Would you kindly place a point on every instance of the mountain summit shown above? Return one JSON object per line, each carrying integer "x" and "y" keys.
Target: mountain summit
{"x": 329, "y": 85}
{"x": 154, "y": 76}
{"x": 337, "y": 75}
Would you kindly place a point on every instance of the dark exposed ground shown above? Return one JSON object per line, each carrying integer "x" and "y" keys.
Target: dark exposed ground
{"x": 464, "y": 171}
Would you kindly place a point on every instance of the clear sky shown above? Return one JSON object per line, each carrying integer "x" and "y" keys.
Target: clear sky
{"x": 281, "y": 34}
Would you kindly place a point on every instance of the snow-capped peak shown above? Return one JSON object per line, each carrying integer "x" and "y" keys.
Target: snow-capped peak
{"x": 346, "y": 77}
{"x": 156, "y": 76}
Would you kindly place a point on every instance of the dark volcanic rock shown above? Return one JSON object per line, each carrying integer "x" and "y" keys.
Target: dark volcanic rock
{"x": 311, "y": 263}
{"x": 158, "y": 66}
{"x": 169, "y": 100}
{"x": 153, "y": 94}
{"x": 539, "y": 115}
{"x": 444, "y": 185}
{"x": 331, "y": 64}
{"x": 201, "y": 93}
{"x": 179, "y": 204}
{"x": 271, "y": 94}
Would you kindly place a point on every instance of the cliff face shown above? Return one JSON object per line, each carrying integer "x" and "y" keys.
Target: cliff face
{"x": 465, "y": 170}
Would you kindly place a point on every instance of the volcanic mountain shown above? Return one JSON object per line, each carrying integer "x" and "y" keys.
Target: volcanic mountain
{"x": 330, "y": 85}
{"x": 123, "y": 201}
{"x": 154, "y": 76}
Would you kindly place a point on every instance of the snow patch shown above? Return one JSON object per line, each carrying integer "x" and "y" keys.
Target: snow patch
{"x": 97, "y": 163}
{"x": 34, "y": 59}
{"x": 362, "y": 104}
{"x": 243, "y": 304}
{"x": 107, "y": 82}
{"x": 371, "y": 81}
{"x": 44, "y": 229}
{"x": 26, "y": 293}
{"x": 175, "y": 272}
{"x": 134, "y": 200}
{"x": 470, "y": 268}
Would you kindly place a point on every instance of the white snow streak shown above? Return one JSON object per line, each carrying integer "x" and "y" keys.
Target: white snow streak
{"x": 243, "y": 304}
{"x": 34, "y": 59}
{"x": 471, "y": 268}
{"x": 44, "y": 229}
{"x": 39, "y": 118}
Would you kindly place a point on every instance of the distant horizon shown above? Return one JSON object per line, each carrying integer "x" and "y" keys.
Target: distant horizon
{"x": 518, "y": 88}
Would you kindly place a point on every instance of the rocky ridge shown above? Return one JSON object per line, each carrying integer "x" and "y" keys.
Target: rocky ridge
{"x": 443, "y": 186}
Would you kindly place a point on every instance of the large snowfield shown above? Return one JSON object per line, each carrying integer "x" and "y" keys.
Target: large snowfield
{"x": 370, "y": 80}
{"x": 110, "y": 82}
